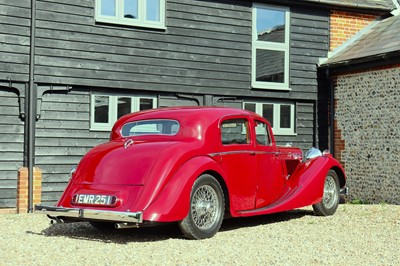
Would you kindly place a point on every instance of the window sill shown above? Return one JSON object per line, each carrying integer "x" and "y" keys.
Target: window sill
{"x": 156, "y": 26}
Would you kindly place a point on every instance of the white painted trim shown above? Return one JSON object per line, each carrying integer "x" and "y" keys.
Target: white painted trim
{"x": 113, "y": 109}
{"x": 140, "y": 22}
{"x": 277, "y": 116}
{"x": 284, "y": 47}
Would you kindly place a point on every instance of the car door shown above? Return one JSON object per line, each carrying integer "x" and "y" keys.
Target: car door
{"x": 270, "y": 179}
{"x": 239, "y": 161}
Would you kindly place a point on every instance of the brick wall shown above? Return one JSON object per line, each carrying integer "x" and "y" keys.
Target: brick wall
{"x": 367, "y": 133}
{"x": 23, "y": 189}
{"x": 344, "y": 25}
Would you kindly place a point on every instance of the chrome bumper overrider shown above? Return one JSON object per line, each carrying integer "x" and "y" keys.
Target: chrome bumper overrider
{"x": 57, "y": 213}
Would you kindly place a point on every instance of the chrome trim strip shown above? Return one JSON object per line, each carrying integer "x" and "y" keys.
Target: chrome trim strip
{"x": 239, "y": 152}
{"x": 89, "y": 214}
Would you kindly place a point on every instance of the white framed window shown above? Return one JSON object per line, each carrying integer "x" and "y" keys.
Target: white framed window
{"x": 106, "y": 109}
{"x": 280, "y": 115}
{"x": 270, "y": 47}
{"x": 141, "y": 13}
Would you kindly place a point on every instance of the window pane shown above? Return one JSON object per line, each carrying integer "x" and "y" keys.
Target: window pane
{"x": 124, "y": 106}
{"x": 108, "y": 8}
{"x": 262, "y": 133}
{"x": 145, "y": 104}
{"x": 101, "y": 109}
{"x": 235, "y": 131}
{"x": 153, "y": 10}
{"x": 270, "y": 65}
{"x": 250, "y": 107}
{"x": 270, "y": 25}
{"x": 285, "y": 116}
{"x": 131, "y": 9}
{"x": 268, "y": 113}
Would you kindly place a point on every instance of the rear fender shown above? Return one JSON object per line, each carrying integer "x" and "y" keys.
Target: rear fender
{"x": 172, "y": 204}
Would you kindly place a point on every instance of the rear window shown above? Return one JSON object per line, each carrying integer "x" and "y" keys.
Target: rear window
{"x": 150, "y": 127}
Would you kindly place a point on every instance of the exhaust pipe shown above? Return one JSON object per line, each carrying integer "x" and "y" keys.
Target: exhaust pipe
{"x": 126, "y": 225}
{"x": 55, "y": 220}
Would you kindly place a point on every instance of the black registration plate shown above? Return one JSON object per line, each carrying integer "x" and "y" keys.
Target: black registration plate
{"x": 94, "y": 199}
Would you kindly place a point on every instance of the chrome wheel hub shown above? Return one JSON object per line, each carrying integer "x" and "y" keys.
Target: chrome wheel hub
{"x": 330, "y": 192}
{"x": 204, "y": 207}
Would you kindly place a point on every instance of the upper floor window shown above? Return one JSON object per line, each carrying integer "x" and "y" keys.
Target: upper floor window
{"x": 270, "y": 47}
{"x": 106, "y": 109}
{"x": 281, "y": 116}
{"x": 142, "y": 13}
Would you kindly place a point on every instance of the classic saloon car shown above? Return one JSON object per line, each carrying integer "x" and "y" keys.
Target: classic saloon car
{"x": 194, "y": 166}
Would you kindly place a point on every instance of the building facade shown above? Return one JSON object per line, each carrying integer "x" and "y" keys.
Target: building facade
{"x": 68, "y": 70}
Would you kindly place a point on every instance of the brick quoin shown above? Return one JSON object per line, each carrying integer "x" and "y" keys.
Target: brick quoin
{"x": 23, "y": 189}
{"x": 344, "y": 25}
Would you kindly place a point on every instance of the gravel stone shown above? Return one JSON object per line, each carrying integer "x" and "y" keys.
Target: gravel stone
{"x": 355, "y": 235}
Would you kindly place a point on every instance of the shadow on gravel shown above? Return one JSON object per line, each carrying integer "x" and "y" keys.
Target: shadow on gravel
{"x": 235, "y": 223}
{"x": 84, "y": 231}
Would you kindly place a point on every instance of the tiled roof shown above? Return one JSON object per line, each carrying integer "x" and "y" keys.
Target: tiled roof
{"x": 381, "y": 39}
{"x": 365, "y": 4}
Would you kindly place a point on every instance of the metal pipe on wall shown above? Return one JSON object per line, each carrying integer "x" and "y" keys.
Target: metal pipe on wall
{"x": 31, "y": 117}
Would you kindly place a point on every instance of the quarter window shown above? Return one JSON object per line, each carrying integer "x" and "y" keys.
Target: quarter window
{"x": 270, "y": 47}
{"x": 142, "y": 13}
{"x": 280, "y": 115}
{"x": 235, "y": 131}
{"x": 106, "y": 109}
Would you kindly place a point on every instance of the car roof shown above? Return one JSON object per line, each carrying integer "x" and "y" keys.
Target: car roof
{"x": 185, "y": 112}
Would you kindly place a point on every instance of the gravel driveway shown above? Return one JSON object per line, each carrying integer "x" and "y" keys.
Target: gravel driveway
{"x": 355, "y": 235}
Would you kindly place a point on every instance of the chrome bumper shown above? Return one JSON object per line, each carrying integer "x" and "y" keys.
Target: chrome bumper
{"x": 58, "y": 213}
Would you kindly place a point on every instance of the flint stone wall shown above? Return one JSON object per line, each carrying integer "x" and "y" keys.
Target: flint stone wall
{"x": 368, "y": 116}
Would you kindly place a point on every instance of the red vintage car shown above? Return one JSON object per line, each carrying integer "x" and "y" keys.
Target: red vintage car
{"x": 194, "y": 166}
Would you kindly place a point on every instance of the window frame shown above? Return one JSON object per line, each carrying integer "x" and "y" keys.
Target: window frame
{"x": 113, "y": 108}
{"x": 276, "y": 129}
{"x": 273, "y": 46}
{"x": 139, "y": 22}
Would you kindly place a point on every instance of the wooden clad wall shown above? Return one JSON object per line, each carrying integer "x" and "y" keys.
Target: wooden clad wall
{"x": 14, "y": 39}
{"x": 11, "y": 147}
{"x": 205, "y": 49}
{"x": 14, "y": 66}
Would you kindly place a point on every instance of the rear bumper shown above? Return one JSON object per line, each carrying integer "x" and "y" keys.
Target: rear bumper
{"x": 60, "y": 213}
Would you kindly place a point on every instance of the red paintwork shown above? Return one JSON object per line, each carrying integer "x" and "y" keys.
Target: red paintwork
{"x": 155, "y": 174}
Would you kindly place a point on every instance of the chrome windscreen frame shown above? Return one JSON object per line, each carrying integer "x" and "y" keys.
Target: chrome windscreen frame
{"x": 79, "y": 214}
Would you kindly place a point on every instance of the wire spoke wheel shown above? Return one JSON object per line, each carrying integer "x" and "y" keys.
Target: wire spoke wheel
{"x": 206, "y": 211}
{"x": 204, "y": 207}
{"x": 330, "y": 198}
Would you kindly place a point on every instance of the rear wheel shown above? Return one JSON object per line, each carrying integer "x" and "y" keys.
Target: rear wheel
{"x": 207, "y": 206}
{"x": 330, "y": 199}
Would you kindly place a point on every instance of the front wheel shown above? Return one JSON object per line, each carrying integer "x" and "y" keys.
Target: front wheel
{"x": 330, "y": 199}
{"x": 207, "y": 206}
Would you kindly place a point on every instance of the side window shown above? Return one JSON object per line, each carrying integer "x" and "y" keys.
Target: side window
{"x": 262, "y": 134}
{"x": 235, "y": 131}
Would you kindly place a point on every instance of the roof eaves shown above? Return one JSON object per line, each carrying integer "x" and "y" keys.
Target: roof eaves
{"x": 346, "y": 4}
{"x": 347, "y": 44}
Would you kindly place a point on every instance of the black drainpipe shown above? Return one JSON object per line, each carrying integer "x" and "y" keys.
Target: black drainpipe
{"x": 31, "y": 105}
{"x": 332, "y": 112}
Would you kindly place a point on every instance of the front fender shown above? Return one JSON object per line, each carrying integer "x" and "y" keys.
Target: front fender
{"x": 172, "y": 204}
{"x": 304, "y": 187}
{"x": 308, "y": 180}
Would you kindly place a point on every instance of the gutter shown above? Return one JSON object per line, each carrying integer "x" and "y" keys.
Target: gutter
{"x": 347, "y": 4}
{"x": 31, "y": 115}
